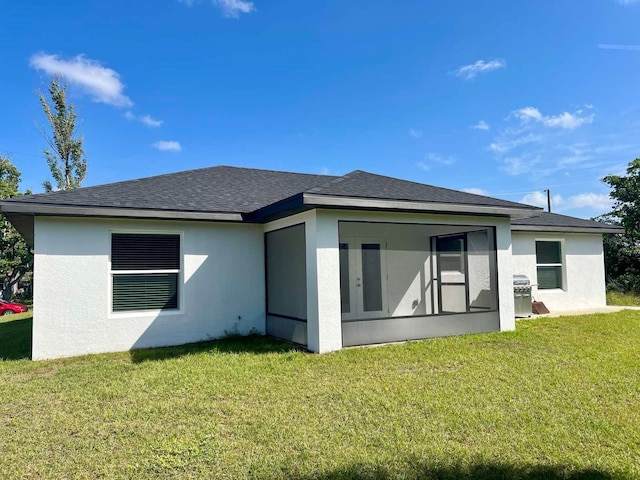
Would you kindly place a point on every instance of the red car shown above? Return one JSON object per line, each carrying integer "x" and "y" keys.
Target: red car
{"x": 9, "y": 308}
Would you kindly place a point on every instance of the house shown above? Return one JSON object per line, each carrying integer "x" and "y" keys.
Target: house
{"x": 323, "y": 261}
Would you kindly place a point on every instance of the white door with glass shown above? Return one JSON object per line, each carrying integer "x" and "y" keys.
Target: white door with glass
{"x": 363, "y": 278}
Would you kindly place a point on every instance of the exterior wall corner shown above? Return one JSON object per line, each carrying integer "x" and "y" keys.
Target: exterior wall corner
{"x": 324, "y": 320}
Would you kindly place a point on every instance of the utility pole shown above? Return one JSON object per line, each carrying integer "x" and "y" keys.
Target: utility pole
{"x": 548, "y": 200}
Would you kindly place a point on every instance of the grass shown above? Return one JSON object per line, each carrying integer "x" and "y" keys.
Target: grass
{"x": 557, "y": 399}
{"x": 623, "y": 299}
{"x": 15, "y": 336}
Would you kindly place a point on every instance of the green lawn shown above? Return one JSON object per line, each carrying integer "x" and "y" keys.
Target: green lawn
{"x": 15, "y": 336}
{"x": 559, "y": 398}
{"x": 623, "y": 299}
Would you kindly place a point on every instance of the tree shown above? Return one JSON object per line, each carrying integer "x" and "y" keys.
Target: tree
{"x": 65, "y": 155}
{"x": 15, "y": 257}
{"x": 625, "y": 190}
{"x": 622, "y": 251}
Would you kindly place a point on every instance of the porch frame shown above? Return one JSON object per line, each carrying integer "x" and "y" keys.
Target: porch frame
{"x": 324, "y": 318}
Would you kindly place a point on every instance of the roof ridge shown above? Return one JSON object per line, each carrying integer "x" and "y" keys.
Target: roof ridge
{"x": 334, "y": 181}
{"x": 267, "y": 170}
{"x": 59, "y": 193}
{"x": 440, "y": 188}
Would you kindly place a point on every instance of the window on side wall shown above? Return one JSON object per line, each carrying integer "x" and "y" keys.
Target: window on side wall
{"x": 549, "y": 264}
{"x": 145, "y": 270}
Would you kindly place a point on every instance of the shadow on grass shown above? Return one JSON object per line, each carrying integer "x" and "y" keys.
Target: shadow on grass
{"x": 256, "y": 344}
{"x": 15, "y": 339}
{"x": 484, "y": 471}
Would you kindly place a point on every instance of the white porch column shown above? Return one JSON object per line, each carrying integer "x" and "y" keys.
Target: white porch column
{"x": 505, "y": 276}
{"x": 324, "y": 321}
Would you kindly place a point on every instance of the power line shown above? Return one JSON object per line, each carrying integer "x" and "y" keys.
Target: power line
{"x": 502, "y": 194}
{"x": 12, "y": 153}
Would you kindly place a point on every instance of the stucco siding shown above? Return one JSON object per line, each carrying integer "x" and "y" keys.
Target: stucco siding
{"x": 221, "y": 287}
{"x": 583, "y": 269}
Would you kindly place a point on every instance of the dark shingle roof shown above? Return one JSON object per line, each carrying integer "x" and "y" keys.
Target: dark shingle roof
{"x": 246, "y": 194}
{"x": 369, "y": 185}
{"x": 214, "y": 189}
{"x": 555, "y": 221}
{"x": 245, "y": 190}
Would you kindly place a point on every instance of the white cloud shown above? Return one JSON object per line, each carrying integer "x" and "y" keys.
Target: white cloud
{"x": 102, "y": 84}
{"x": 435, "y": 157}
{"x": 147, "y": 120}
{"x": 534, "y": 149}
{"x": 324, "y": 171}
{"x": 594, "y": 201}
{"x": 229, "y": 8}
{"x": 508, "y": 140}
{"x": 609, "y": 46}
{"x": 519, "y": 164}
{"x": 539, "y": 199}
{"x": 168, "y": 146}
{"x": 415, "y": 133}
{"x": 540, "y": 145}
{"x": 233, "y": 8}
{"x": 476, "y": 191}
{"x": 528, "y": 113}
{"x": 424, "y": 166}
{"x": 566, "y": 120}
{"x": 431, "y": 158}
{"x": 470, "y": 71}
{"x": 481, "y": 125}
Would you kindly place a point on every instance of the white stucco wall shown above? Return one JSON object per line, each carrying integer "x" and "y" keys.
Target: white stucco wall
{"x": 222, "y": 287}
{"x": 222, "y": 281}
{"x": 583, "y": 264}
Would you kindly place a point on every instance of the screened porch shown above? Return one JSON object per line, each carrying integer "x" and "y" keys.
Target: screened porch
{"x": 409, "y": 281}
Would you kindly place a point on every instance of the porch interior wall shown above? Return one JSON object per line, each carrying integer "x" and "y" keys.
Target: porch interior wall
{"x": 409, "y": 264}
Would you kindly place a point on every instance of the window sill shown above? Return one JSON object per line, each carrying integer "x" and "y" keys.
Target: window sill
{"x": 145, "y": 313}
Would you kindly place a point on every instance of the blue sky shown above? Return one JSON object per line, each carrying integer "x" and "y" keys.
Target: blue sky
{"x": 501, "y": 98}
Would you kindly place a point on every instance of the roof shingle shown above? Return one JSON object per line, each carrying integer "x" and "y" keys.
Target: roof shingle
{"x": 369, "y": 185}
{"x": 245, "y": 190}
{"x": 213, "y": 189}
{"x": 557, "y": 221}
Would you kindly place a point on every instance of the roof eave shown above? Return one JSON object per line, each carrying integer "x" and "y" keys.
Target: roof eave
{"x": 30, "y": 208}
{"x": 561, "y": 229}
{"x": 280, "y": 209}
{"x": 23, "y": 224}
{"x": 329, "y": 201}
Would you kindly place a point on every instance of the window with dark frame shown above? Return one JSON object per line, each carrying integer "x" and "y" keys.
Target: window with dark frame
{"x": 549, "y": 264}
{"x": 145, "y": 269}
